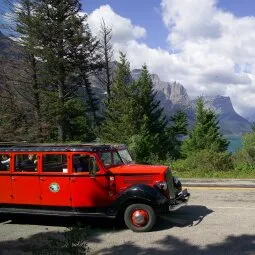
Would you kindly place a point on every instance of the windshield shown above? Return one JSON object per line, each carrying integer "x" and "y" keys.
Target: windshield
{"x": 125, "y": 156}
{"x": 115, "y": 157}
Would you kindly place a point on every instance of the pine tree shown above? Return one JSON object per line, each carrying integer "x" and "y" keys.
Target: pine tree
{"x": 179, "y": 123}
{"x": 67, "y": 51}
{"x": 89, "y": 62}
{"x": 177, "y": 130}
{"x": 79, "y": 128}
{"x": 92, "y": 102}
{"x": 121, "y": 112}
{"x": 151, "y": 114}
{"x": 205, "y": 134}
{"x": 152, "y": 121}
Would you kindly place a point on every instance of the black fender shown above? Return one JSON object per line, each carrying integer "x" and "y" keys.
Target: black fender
{"x": 138, "y": 193}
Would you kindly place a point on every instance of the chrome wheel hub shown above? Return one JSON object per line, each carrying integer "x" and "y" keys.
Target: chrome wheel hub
{"x": 140, "y": 218}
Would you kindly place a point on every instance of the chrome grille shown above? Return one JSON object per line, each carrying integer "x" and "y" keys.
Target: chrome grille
{"x": 170, "y": 184}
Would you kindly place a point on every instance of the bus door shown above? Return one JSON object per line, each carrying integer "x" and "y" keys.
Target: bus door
{"x": 54, "y": 180}
{"x": 25, "y": 179}
{"x": 87, "y": 191}
{"x": 5, "y": 179}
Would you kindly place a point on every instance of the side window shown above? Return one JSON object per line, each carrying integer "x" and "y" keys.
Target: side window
{"x": 111, "y": 158}
{"x": 84, "y": 163}
{"x": 55, "y": 163}
{"x": 25, "y": 162}
{"x": 116, "y": 159}
{"x": 5, "y": 162}
{"x": 106, "y": 158}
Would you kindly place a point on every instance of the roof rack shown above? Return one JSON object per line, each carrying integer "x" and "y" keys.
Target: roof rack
{"x": 12, "y": 146}
{"x": 9, "y": 144}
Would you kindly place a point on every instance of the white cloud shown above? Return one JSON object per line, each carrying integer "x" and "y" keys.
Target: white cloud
{"x": 122, "y": 28}
{"x": 189, "y": 20}
{"x": 213, "y": 49}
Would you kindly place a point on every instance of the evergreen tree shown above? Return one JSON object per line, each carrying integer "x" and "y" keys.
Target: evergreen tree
{"x": 151, "y": 114}
{"x": 151, "y": 121}
{"x": 177, "y": 130}
{"x": 79, "y": 129}
{"x": 179, "y": 123}
{"x": 89, "y": 62}
{"x": 142, "y": 146}
{"x": 67, "y": 51}
{"x": 205, "y": 134}
{"x": 121, "y": 114}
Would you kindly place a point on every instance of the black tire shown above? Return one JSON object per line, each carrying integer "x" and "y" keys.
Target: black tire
{"x": 136, "y": 207}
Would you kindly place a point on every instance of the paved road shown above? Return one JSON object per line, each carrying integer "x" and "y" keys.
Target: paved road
{"x": 215, "y": 222}
{"x": 231, "y": 183}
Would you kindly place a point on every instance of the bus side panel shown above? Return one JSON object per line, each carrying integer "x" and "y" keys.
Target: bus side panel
{"x": 55, "y": 190}
{"x": 26, "y": 189}
{"x": 89, "y": 192}
{"x": 5, "y": 189}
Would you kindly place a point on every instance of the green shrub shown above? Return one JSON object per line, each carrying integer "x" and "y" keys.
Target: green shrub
{"x": 246, "y": 168}
{"x": 245, "y": 157}
{"x": 204, "y": 160}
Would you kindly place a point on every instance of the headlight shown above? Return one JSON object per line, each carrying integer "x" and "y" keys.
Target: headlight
{"x": 176, "y": 180}
{"x": 162, "y": 185}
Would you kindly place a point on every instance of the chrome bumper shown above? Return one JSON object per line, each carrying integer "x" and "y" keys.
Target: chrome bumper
{"x": 180, "y": 201}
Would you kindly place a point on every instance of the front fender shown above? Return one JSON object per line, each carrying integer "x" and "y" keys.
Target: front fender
{"x": 138, "y": 193}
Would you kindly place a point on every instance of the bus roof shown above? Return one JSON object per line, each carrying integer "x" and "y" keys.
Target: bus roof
{"x": 58, "y": 147}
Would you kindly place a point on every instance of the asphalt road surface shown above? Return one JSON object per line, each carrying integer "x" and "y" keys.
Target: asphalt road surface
{"x": 216, "y": 221}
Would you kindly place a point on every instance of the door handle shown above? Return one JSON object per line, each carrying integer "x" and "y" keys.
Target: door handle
{"x": 13, "y": 178}
{"x": 73, "y": 179}
{"x": 42, "y": 178}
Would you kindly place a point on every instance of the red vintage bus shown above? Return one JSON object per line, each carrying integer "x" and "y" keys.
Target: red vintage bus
{"x": 95, "y": 180}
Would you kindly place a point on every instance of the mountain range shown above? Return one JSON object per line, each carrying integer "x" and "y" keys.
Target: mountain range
{"x": 173, "y": 97}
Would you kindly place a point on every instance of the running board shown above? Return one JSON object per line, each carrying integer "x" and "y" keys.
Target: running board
{"x": 45, "y": 212}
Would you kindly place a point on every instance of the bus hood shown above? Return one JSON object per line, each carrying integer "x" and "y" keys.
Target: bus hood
{"x": 138, "y": 169}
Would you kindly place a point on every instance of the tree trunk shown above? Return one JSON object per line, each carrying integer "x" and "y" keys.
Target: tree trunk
{"x": 61, "y": 115}
{"x": 36, "y": 90}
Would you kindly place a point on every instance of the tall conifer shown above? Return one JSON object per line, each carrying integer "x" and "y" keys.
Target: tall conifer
{"x": 68, "y": 53}
{"x": 150, "y": 111}
{"x": 176, "y": 131}
{"x": 152, "y": 121}
{"x": 205, "y": 134}
{"x": 121, "y": 112}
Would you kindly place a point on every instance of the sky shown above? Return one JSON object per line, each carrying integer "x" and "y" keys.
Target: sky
{"x": 206, "y": 45}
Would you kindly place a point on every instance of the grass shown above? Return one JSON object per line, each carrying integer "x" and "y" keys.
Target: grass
{"x": 237, "y": 173}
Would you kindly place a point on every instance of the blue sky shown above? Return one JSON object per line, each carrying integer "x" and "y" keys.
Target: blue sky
{"x": 146, "y": 13}
{"x": 142, "y": 12}
{"x": 237, "y": 7}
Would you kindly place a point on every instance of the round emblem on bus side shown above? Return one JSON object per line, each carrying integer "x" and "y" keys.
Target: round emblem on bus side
{"x": 54, "y": 187}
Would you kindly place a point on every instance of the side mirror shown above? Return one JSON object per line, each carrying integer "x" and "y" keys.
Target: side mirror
{"x": 93, "y": 168}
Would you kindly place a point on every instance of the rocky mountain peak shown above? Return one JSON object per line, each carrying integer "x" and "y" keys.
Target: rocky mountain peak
{"x": 178, "y": 94}
{"x": 221, "y": 104}
{"x": 174, "y": 92}
{"x": 229, "y": 120}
